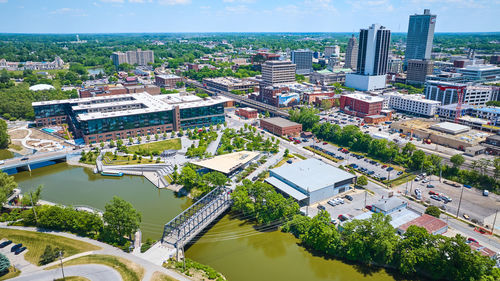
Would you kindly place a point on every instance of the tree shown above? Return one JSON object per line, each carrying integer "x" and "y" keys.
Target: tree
{"x": 457, "y": 160}
{"x": 102, "y": 144}
{"x": 157, "y": 137}
{"x": 111, "y": 143}
{"x": 7, "y": 185}
{"x": 50, "y": 254}
{"x": 148, "y": 138}
{"x": 362, "y": 181}
{"x": 121, "y": 217}
{"x": 4, "y": 263}
{"x": 433, "y": 211}
{"x": 4, "y": 136}
{"x": 286, "y": 153}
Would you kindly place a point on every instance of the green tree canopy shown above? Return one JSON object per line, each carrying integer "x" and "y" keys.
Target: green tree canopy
{"x": 121, "y": 217}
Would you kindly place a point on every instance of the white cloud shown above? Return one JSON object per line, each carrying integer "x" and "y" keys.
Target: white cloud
{"x": 239, "y": 9}
{"x": 69, "y": 11}
{"x": 4, "y": 1}
{"x": 174, "y": 2}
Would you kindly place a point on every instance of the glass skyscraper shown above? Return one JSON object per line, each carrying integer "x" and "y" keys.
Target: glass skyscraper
{"x": 420, "y": 36}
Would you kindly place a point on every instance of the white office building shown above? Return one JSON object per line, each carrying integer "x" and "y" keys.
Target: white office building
{"x": 373, "y": 53}
{"x": 473, "y": 94}
{"x": 413, "y": 104}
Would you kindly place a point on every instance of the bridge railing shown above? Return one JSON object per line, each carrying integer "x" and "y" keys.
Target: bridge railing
{"x": 186, "y": 216}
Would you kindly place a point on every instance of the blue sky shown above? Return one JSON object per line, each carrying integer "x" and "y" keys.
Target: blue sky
{"x": 102, "y": 16}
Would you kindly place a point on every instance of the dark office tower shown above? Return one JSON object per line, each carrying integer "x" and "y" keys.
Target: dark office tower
{"x": 351, "y": 53}
{"x": 420, "y": 36}
{"x": 373, "y": 50}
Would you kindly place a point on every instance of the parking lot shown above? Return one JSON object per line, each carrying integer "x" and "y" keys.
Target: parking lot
{"x": 474, "y": 204}
{"x": 359, "y": 162}
{"x": 339, "y": 118}
{"x": 17, "y": 261}
{"x": 349, "y": 208}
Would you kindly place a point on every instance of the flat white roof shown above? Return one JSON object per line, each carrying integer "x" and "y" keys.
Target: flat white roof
{"x": 364, "y": 97}
{"x": 450, "y": 127}
{"x": 227, "y": 163}
{"x": 312, "y": 174}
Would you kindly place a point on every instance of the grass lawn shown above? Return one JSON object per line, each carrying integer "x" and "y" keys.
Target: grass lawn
{"x": 402, "y": 179}
{"x": 123, "y": 160}
{"x": 300, "y": 156}
{"x": 15, "y": 147}
{"x": 158, "y": 276}
{"x": 13, "y": 272}
{"x": 73, "y": 278}
{"x": 36, "y": 242}
{"x": 159, "y": 146}
{"x": 282, "y": 161}
{"x": 129, "y": 271}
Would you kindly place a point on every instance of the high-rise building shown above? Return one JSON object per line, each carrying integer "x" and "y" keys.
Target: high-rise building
{"x": 420, "y": 36}
{"x": 275, "y": 72}
{"x": 332, "y": 50}
{"x": 351, "y": 53}
{"x": 303, "y": 61}
{"x": 138, "y": 57}
{"x": 373, "y": 53}
{"x": 394, "y": 66}
{"x": 418, "y": 70}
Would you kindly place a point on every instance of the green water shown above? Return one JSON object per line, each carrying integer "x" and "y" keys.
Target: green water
{"x": 80, "y": 186}
{"x": 231, "y": 246}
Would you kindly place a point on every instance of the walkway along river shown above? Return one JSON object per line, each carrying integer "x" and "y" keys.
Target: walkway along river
{"x": 231, "y": 246}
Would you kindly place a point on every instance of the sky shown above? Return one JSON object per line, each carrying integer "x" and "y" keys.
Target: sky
{"x": 124, "y": 16}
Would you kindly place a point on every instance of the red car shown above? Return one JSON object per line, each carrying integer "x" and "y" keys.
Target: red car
{"x": 433, "y": 193}
{"x": 369, "y": 207}
{"x": 342, "y": 218}
{"x": 325, "y": 143}
{"x": 472, "y": 240}
{"x": 384, "y": 166}
{"x": 297, "y": 141}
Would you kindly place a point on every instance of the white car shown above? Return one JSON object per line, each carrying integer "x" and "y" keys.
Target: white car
{"x": 2, "y": 162}
{"x": 332, "y": 203}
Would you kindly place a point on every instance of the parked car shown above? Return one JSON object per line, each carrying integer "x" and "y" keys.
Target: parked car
{"x": 486, "y": 192}
{"x": 331, "y": 203}
{"x": 321, "y": 207}
{"x": 435, "y": 197}
{"x": 325, "y": 143}
{"x": 20, "y": 250}
{"x": 340, "y": 200}
{"x": 430, "y": 186}
{"x": 15, "y": 247}
{"x": 24, "y": 158}
{"x": 432, "y": 193}
{"x": 400, "y": 173}
{"x": 390, "y": 169}
{"x": 369, "y": 207}
{"x": 255, "y": 178}
{"x": 5, "y": 243}
{"x": 2, "y": 162}
{"x": 333, "y": 221}
{"x": 384, "y": 166}
{"x": 470, "y": 239}
{"x": 342, "y": 218}
{"x": 466, "y": 186}
{"x": 349, "y": 197}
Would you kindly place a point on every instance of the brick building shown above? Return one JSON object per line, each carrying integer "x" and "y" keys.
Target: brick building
{"x": 361, "y": 105}
{"x": 247, "y": 112}
{"x": 167, "y": 81}
{"x": 281, "y": 127}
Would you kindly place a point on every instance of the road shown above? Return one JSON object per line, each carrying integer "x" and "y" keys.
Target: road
{"x": 93, "y": 272}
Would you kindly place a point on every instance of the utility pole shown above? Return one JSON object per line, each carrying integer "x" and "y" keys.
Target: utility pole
{"x": 365, "y": 198}
{"x": 62, "y": 268}
{"x": 494, "y": 221}
{"x": 460, "y": 202}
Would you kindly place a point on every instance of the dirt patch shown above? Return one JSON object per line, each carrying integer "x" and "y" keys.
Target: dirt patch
{"x": 18, "y": 134}
{"x": 23, "y": 150}
{"x": 36, "y": 134}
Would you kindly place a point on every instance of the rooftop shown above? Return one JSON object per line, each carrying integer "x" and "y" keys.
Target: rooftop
{"x": 229, "y": 81}
{"x": 364, "y": 97}
{"x": 451, "y": 128}
{"x": 388, "y": 204}
{"x": 430, "y": 223}
{"x": 281, "y": 122}
{"x": 227, "y": 163}
{"x": 312, "y": 174}
{"x": 167, "y": 76}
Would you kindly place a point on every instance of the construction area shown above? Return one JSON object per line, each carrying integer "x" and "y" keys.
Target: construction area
{"x": 443, "y": 133}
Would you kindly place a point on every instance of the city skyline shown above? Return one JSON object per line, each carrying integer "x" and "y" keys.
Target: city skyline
{"x": 154, "y": 16}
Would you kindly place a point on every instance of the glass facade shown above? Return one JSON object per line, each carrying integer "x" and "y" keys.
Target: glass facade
{"x": 203, "y": 121}
{"x": 44, "y": 111}
{"x": 99, "y": 126}
{"x": 194, "y": 112}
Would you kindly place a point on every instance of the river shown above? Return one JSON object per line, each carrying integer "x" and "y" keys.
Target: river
{"x": 231, "y": 246}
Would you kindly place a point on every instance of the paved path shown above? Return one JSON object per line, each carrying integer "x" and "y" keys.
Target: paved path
{"x": 149, "y": 268}
{"x": 93, "y": 272}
